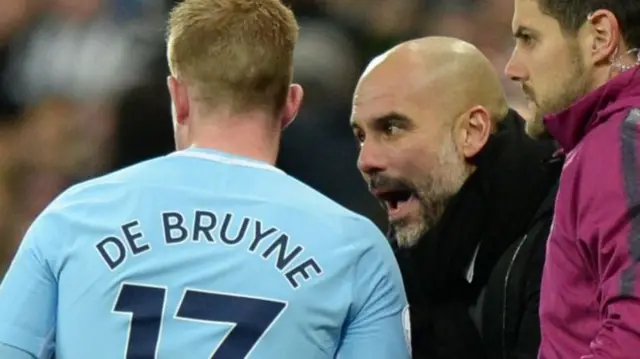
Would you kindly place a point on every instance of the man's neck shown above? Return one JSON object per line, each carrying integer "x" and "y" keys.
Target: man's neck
{"x": 606, "y": 74}
{"x": 244, "y": 138}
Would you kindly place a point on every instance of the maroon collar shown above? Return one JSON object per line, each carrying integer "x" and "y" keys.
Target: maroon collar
{"x": 569, "y": 126}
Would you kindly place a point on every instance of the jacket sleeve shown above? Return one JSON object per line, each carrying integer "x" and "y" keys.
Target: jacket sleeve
{"x": 611, "y": 210}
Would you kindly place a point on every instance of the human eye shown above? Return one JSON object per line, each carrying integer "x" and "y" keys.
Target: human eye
{"x": 392, "y": 125}
{"x": 524, "y": 37}
{"x": 358, "y": 135}
{"x": 391, "y": 128}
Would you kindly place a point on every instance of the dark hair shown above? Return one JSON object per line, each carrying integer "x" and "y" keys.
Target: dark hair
{"x": 571, "y": 14}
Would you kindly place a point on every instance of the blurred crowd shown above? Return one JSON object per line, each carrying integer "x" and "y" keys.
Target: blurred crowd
{"x": 83, "y": 89}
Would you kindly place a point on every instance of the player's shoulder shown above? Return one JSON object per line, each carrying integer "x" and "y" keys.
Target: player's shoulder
{"x": 308, "y": 199}
{"x": 103, "y": 187}
{"x": 315, "y": 203}
{"x": 75, "y": 206}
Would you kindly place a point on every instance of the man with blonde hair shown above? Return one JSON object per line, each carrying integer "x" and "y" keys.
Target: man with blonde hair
{"x": 211, "y": 251}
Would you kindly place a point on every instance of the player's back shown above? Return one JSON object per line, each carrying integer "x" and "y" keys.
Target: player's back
{"x": 200, "y": 252}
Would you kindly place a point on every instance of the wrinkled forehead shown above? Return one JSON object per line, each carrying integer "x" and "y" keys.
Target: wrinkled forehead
{"x": 381, "y": 93}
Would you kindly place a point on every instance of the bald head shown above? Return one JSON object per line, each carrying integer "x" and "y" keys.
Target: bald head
{"x": 446, "y": 72}
{"x": 421, "y": 112}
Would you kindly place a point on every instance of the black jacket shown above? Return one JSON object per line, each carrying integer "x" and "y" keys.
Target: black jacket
{"x": 507, "y": 198}
{"x": 509, "y": 323}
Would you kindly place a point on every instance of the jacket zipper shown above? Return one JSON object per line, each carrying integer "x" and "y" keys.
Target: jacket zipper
{"x": 504, "y": 297}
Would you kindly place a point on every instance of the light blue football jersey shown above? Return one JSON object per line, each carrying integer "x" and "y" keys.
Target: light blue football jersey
{"x": 201, "y": 254}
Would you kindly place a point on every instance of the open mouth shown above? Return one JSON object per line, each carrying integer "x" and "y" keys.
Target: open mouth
{"x": 396, "y": 201}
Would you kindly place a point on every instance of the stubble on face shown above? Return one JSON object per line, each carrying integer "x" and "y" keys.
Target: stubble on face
{"x": 557, "y": 96}
{"x": 434, "y": 190}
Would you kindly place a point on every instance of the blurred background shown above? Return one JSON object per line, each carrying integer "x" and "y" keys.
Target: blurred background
{"x": 83, "y": 90}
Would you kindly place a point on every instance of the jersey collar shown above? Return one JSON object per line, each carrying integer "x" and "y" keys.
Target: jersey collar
{"x": 209, "y": 154}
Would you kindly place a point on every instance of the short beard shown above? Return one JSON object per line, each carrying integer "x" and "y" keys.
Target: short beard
{"x": 562, "y": 95}
{"x": 434, "y": 192}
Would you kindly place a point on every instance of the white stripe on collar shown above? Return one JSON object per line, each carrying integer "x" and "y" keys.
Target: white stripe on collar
{"x": 234, "y": 161}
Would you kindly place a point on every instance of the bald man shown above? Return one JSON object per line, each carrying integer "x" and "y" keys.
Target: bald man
{"x": 469, "y": 197}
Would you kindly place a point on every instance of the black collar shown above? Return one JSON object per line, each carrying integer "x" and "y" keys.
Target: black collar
{"x": 492, "y": 209}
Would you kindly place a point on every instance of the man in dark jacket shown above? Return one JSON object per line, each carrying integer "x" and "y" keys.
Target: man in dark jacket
{"x": 469, "y": 197}
{"x": 579, "y": 63}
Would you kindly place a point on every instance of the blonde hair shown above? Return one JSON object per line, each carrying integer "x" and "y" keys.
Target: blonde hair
{"x": 236, "y": 53}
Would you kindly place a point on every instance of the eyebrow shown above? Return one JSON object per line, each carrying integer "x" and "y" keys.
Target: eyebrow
{"x": 520, "y": 32}
{"x": 391, "y": 116}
